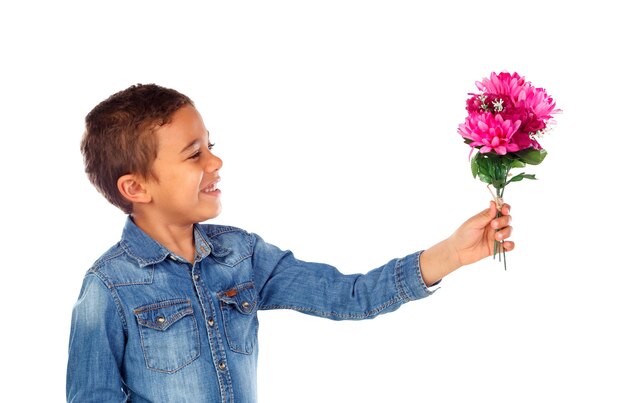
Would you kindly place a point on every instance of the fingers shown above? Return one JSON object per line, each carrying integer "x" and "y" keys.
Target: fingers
{"x": 508, "y": 245}
{"x": 502, "y": 227}
{"x": 493, "y": 209}
{"x": 501, "y": 222}
{"x": 488, "y": 217}
{"x": 503, "y": 233}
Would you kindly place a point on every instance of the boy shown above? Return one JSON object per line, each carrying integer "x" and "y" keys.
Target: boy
{"x": 169, "y": 314}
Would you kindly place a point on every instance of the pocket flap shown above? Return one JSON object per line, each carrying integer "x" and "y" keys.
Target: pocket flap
{"x": 242, "y": 296}
{"x": 162, "y": 315}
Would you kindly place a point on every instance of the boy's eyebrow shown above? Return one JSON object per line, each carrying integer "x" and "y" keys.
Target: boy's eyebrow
{"x": 192, "y": 144}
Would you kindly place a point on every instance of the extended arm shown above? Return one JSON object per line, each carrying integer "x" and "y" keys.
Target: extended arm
{"x": 284, "y": 282}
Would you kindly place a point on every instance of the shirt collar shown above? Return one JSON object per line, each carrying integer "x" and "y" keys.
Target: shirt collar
{"x": 147, "y": 251}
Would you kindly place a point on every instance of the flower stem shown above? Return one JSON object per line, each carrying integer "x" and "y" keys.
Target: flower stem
{"x": 497, "y": 246}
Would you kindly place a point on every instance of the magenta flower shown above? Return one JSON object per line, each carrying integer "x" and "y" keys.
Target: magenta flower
{"x": 504, "y": 83}
{"x": 539, "y": 106}
{"x": 490, "y": 133}
{"x": 503, "y": 122}
{"x": 515, "y": 99}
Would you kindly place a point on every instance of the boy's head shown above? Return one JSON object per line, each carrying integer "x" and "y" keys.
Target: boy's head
{"x": 119, "y": 138}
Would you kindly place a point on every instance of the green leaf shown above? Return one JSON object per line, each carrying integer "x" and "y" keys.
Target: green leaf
{"x": 517, "y": 164}
{"x": 485, "y": 178}
{"x": 486, "y": 165}
{"x": 492, "y": 168}
{"x": 532, "y": 156}
{"x": 474, "y": 166}
{"x": 517, "y": 178}
{"x": 531, "y": 176}
{"x": 521, "y": 176}
{"x": 499, "y": 183}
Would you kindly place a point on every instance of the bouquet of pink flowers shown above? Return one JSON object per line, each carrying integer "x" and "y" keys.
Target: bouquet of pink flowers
{"x": 504, "y": 122}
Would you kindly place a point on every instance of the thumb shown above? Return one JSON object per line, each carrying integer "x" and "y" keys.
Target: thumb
{"x": 483, "y": 218}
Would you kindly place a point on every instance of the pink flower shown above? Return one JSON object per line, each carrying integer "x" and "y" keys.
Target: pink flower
{"x": 516, "y": 100}
{"x": 503, "y": 83}
{"x": 539, "y": 106}
{"x": 489, "y": 103}
{"x": 490, "y": 132}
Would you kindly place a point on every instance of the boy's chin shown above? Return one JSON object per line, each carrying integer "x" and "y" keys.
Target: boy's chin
{"x": 213, "y": 214}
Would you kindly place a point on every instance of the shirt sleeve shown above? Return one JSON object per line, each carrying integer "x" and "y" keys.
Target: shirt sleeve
{"x": 284, "y": 282}
{"x": 96, "y": 346}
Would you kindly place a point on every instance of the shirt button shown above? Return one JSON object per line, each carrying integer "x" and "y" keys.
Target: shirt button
{"x": 221, "y": 365}
{"x": 211, "y": 322}
{"x": 160, "y": 319}
{"x": 173, "y": 258}
{"x": 196, "y": 277}
{"x": 245, "y": 305}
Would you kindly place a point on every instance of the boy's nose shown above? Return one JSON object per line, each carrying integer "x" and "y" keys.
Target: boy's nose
{"x": 214, "y": 163}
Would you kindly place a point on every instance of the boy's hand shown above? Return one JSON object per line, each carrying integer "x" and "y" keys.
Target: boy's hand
{"x": 474, "y": 239}
{"x": 471, "y": 242}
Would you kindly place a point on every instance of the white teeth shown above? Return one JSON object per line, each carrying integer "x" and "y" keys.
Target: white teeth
{"x": 211, "y": 188}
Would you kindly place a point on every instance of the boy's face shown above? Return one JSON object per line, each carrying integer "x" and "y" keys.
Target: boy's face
{"x": 185, "y": 188}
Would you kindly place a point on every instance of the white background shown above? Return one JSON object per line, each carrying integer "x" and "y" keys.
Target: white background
{"x": 337, "y": 124}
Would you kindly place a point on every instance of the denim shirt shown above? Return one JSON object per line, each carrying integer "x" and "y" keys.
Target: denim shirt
{"x": 149, "y": 326}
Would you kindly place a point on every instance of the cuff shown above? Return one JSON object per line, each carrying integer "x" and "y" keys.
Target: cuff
{"x": 409, "y": 279}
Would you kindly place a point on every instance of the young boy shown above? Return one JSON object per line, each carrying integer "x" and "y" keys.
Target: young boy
{"x": 169, "y": 314}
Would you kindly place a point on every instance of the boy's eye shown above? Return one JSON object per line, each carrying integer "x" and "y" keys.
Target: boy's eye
{"x": 197, "y": 154}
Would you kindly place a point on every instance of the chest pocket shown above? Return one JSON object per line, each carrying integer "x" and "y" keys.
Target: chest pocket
{"x": 239, "y": 306}
{"x": 169, "y": 334}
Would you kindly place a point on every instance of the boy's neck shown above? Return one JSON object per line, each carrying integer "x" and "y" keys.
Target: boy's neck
{"x": 178, "y": 239}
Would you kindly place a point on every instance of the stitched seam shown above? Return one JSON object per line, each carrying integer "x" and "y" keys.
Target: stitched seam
{"x": 116, "y": 299}
{"x": 239, "y": 287}
{"x": 143, "y": 262}
{"x": 192, "y": 359}
{"x": 223, "y": 230}
{"x": 168, "y": 322}
{"x": 238, "y": 347}
{"x": 399, "y": 277}
{"x": 228, "y": 308}
{"x": 324, "y": 314}
{"x": 162, "y": 304}
{"x": 235, "y": 263}
{"x": 143, "y": 282}
{"x": 423, "y": 285}
{"x": 100, "y": 262}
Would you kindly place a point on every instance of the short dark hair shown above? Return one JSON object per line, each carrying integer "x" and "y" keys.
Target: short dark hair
{"x": 119, "y": 140}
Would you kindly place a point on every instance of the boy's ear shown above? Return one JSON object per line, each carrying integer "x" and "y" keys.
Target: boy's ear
{"x": 133, "y": 189}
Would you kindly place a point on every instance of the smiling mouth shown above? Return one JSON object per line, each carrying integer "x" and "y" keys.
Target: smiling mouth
{"x": 211, "y": 188}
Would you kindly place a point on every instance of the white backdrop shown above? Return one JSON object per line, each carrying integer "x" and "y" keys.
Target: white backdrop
{"x": 336, "y": 121}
